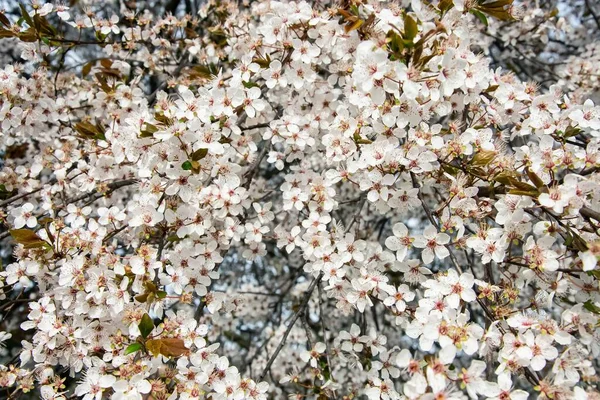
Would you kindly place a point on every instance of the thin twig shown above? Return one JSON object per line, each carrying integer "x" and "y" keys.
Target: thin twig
{"x": 416, "y": 185}
{"x": 299, "y": 312}
{"x": 20, "y": 196}
{"x": 327, "y": 345}
{"x": 593, "y": 13}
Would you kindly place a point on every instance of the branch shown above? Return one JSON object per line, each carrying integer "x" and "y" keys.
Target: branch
{"x": 594, "y": 15}
{"x": 163, "y": 85}
{"x": 297, "y": 315}
{"x": 416, "y": 185}
{"x": 20, "y": 196}
{"x": 589, "y": 213}
{"x": 254, "y": 167}
{"x": 327, "y": 345}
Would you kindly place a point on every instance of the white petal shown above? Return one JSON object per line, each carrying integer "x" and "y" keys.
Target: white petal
{"x": 447, "y": 354}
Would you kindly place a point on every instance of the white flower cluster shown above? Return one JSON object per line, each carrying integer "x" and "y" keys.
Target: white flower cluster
{"x": 317, "y": 202}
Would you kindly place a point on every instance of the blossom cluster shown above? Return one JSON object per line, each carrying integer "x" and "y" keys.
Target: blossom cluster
{"x": 282, "y": 198}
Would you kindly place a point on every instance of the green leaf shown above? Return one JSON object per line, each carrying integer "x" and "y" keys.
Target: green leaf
{"x": 506, "y": 177}
{"x": 43, "y": 26}
{"x": 450, "y": 169}
{"x": 410, "y": 28}
{"x": 395, "y": 45}
{"x": 201, "y": 72}
{"x": 199, "y": 154}
{"x": 25, "y": 15}
{"x": 578, "y": 242}
{"x": 591, "y": 307}
{"x": 568, "y": 240}
{"x": 173, "y": 238}
{"x": 161, "y": 294}
{"x": 149, "y": 131}
{"x": 146, "y": 326}
{"x": 496, "y": 4}
{"x": 4, "y": 194}
{"x": 142, "y": 297}
{"x": 595, "y": 273}
{"x": 161, "y": 118}
{"x": 418, "y": 52}
{"x": 249, "y": 85}
{"x": 132, "y": 348}
{"x": 187, "y": 166}
{"x": 100, "y": 36}
{"x": 445, "y": 5}
{"x": 88, "y": 130}
{"x": 28, "y": 35}
{"x": 483, "y": 157}
{"x": 325, "y": 368}
{"x": 571, "y": 131}
{"x": 523, "y": 186}
{"x": 479, "y": 15}
{"x": 533, "y": 177}
{"x": 87, "y": 68}
{"x": 498, "y": 9}
{"x": 353, "y": 25}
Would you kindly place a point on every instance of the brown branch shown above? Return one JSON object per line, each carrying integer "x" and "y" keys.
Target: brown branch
{"x": 297, "y": 315}
{"x": 249, "y": 175}
{"x": 589, "y": 213}
{"x": 593, "y": 13}
{"x": 20, "y": 196}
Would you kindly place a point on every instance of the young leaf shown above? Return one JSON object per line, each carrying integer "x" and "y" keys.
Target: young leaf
{"x": 249, "y": 85}
{"x": 28, "y": 238}
{"x": 591, "y": 307}
{"x": 537, "y": 181}
{"x": 149, "y": 131}
{"x": 483, "y": 157}
{"x": 187, "y": 165}
{"x": 28, "y": 35}
{"x": 5, "y": 33}
{"x": 132, "y": 348}
{"x": 353, "y": 25}
{"x": 410, "y": 28}
{"x": 524, "y": 186}
{"x": 4, "y": 20}
{"x": 146, "y": 326}
{"x": 26, "y": 16}
{"x": 445, "y": 5}
{"x": 479, "y": 15}
{"x": 142, "y": 298}
{"x": 90, "y": 131}
{"x": 168, "y": 347}
{"x": 43, "y": 26}
{"x": 87, "y": 68}
{"x": 199, "y": 154}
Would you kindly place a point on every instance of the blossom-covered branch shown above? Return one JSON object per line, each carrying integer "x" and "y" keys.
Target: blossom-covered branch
{"x": 326, "y": 200}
